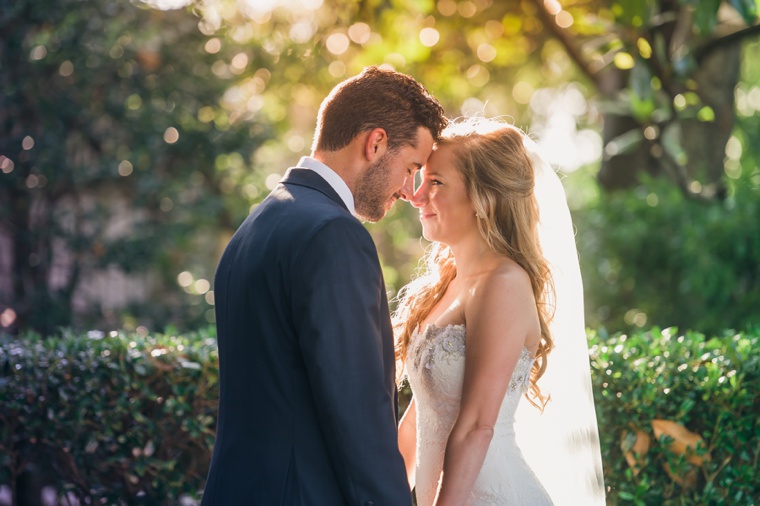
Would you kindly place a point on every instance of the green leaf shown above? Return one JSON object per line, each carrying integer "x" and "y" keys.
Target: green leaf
{"x": 626, "y": 496}
{"x": 640, "y": 80}
{"x": 706, "y": 15}
{"x": 747, "y": 9}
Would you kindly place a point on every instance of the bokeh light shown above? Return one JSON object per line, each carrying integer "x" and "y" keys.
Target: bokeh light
{"x": 337, "y": 69}
{"x": 206, "y": 114}
{"x": 185, "y": 279}
{"x": 553, "y": 7}
{"x": 213, "y": 46}
{"x": 478, "y": 75}
{"x": 66, "y": 69}
{"x": 494, "y": 29}
{"x": 337, "y": 43}
{"x": 447, "y": 7}
{"x": 359, "y": 33}
{"x": 125, "y": 168}
{"x": 239, "y": 63}
{"x": 564, "y": 19}
{"x": 522, "y": 92}
{"x": 37, "y": 53}
{"x": 296, "y": 143}
{"x": 302, "y": 31}
{"x": 271, "y": 181}
{"x": 171, "y": 135}
{"x": 6, "y": 164}
{"x": 133, "y": 102}
{"x": 467, "y": 9}
{"x": 7, "y": 317}
{"x": 556, "y": 112}
{"x": 645, "y": 50}
{"x": 486, "y": 52}
{"x": 202, "y": 286}
{"x": 623, "y": 61}
{"x": 429, "y": 37}
{"x": 473, "y": 107}
{"x": 733, "y": 148}
{"x": 168, "y": 4}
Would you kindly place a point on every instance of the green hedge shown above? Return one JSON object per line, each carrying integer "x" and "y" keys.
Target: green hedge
{"x": 707, "y": 385}
{"x": 129, "y": 417}
{"x": 110, "y": 417}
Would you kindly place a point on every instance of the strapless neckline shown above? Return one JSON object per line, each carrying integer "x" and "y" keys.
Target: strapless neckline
{"x": 525, "y": 350}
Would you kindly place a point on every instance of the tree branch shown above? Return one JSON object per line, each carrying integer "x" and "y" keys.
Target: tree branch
{"x": 704, "y": 50}
{"x": 566, "y": 40}
{"x": 677, "y": 172}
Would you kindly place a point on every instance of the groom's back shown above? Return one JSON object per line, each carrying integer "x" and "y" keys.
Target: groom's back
{"x": 269, "y": 447}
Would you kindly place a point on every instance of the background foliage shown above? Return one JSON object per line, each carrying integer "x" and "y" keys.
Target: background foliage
{"x": 116, "y": 154}
{"x": 652, "y": 256}
{"x": 135, "y": 137}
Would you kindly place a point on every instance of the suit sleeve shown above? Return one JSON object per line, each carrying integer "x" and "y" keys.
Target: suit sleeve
{"x": 338, "y": 320}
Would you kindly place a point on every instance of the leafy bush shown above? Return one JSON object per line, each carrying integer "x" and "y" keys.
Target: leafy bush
{"x": 651, "y": 256}
{"x": 106, "y": 418}
{"x": 708, "y": 386}
{"x": 131, "y": 417}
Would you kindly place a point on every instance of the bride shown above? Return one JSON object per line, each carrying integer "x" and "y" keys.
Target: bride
{"x": 496, "y": 311}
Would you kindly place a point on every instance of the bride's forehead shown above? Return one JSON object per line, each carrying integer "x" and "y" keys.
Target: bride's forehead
{"x": 442, "y": 152}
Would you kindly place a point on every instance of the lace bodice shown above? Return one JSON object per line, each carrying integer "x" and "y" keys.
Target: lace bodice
{"x": 435, "y": 366}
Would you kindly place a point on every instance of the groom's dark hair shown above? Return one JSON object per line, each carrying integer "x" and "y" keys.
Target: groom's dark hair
{"x": 377, "y": 98}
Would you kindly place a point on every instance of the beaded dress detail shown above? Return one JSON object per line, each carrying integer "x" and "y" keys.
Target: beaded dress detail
{"x": 435, "y": 366}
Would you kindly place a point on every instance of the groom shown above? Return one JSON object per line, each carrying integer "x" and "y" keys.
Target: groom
{"x": 307, "y": 407}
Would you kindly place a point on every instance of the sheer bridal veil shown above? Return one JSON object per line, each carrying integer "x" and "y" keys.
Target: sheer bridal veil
{"x": 562, "y": 444}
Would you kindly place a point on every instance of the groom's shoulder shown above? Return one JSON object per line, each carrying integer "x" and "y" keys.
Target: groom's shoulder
{"x": 309, "y": 206}
{"x": 303, "y": 212}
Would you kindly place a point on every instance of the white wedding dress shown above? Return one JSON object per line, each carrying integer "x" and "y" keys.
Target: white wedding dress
{"x": 435, "y": 367}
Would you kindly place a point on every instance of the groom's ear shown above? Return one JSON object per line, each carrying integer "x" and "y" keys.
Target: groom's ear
{"x": 376, "y": 144}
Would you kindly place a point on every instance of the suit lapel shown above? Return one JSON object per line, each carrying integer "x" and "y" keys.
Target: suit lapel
{"x": 308, "y": 178}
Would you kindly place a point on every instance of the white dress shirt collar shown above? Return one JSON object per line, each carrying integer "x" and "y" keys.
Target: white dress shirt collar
{"x": 333, "y": 179}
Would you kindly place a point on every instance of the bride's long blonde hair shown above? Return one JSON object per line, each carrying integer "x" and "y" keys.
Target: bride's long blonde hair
{"x": 499, "y": 177}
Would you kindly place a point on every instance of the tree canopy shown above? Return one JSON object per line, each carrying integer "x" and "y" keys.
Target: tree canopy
{"x": 135, "y": 137}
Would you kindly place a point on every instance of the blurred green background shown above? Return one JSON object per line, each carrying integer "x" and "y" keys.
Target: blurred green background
{"x": 136, "y": 136}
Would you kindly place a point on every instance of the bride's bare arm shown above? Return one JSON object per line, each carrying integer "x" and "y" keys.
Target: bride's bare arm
{"x": 500, "y": 315}
{"x": 407, "y": 441}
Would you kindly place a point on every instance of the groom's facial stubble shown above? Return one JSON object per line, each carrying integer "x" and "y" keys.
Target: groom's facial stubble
{"x": 372, "y": 191}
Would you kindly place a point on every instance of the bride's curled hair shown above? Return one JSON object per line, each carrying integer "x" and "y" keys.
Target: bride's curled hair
{"x": 499, "y": 176}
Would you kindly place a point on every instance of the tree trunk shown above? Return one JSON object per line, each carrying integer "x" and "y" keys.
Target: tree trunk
{"x": 704, "y": 142}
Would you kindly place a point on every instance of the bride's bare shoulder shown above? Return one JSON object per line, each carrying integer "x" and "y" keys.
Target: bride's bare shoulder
{"x": 506, "y": 284}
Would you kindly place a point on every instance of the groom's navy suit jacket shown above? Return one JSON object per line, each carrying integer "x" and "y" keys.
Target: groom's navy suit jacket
{"x": 307, "y": 408}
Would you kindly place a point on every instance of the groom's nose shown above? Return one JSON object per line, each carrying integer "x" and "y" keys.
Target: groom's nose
{"x": 407, "y": 190}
